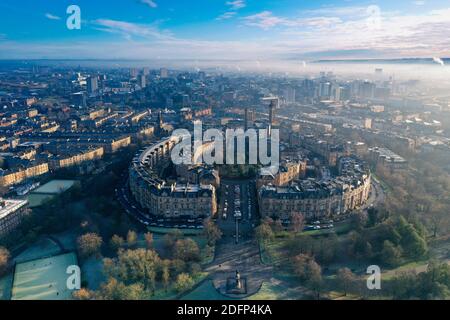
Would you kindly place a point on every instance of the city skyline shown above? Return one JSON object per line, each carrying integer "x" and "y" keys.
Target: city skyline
{"x": 226, "y": 30}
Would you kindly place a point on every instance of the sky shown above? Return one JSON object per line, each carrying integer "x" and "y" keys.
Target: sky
{"x": 206, "y": 30}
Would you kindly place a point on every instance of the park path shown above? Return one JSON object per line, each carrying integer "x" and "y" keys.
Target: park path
{"x": 243, "y": 257}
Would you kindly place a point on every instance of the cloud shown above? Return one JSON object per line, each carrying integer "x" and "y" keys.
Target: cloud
{"x": 130, "y": 30}
{"x": 233, "y": 7}
{"x": 266, "y": 20}
{"x": 227, "y": 15}
{"x": 397, "y": 34}
{"x": 236, "y": 5}
{"x": 150, "y": 3}
{"x": 52, "y": 17}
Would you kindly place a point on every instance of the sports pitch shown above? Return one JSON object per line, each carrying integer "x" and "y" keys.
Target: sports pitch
{"x": 55, "y": 187}
{"x": 43, "y": 279}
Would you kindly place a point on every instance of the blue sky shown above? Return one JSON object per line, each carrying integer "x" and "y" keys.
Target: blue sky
{"x": 225, "y": 29}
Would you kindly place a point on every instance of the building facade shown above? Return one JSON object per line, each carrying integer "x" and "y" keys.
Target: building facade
{"x": 168, "y": 200}
{"x": 11, "y": 214}
{"x": 317, "y": 199}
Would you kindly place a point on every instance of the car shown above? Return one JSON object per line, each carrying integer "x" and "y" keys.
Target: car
{"x": 316, "y": 222}
{"x": 153, "y": 224}
{"x": 200, "y": 227}
{"x": 317, "y": 227}
{"x": 191, "y": 220}
{"x": 146, "y": 223}
{"x": 191, "y": 227}
{"x": 183, "y": 226}
{"x": 224, "y": 216}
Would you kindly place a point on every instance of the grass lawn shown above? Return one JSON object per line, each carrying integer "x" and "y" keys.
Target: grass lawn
{"x": 386, "y": 187}
{"x": 334, "y": 295}
{"x": 417, "y": 266}
{"x": 205, "y": 291}
{"x": 273, "y": 252}
{"x": 280, "y": 288}
{"x": 186, "y": 232}
{"x": 172, "y": 293}
{"x": 43, "y": 279}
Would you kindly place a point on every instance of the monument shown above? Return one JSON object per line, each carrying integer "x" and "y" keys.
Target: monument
{"x": 237, "y": 285}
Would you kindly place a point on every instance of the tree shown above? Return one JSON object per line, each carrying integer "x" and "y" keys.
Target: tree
{"x": 314, "y": 274}
{"x": 297, "y": 222}
{"x": 412, "y": 243}
{"x": 186, "y": 250}
{"x": 264, "y": 233}
{"x": 112, "y": 290}
{"x": 391, "y": 255}
{"x": 277, "y": 226}
{"x": 211, "y": 232}
{"x": 184, "y": 282}
{"x": 117, "y": 290}
{"x": 299, "y": 264}
{"x": 148, "y": 240}
{"x": 134, "y": 266}
{"x": 345, "y": 279}
{"x": 359, "y": 221}
{"x": 170, "y": 239}
{"x": 4, "y": 260}
{"x": 83, "y": 294}
{"x": 89, "y": 244}
{"x": 116, "y": 242}
{"x": 132, "y": 239}
{"x": 165, "y": 274}
{"x": 309, "y": 271}
{"x": 360, "y": 247}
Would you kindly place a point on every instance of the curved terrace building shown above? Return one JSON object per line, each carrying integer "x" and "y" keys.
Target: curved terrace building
{"x": 163, "y": 199}
{"x": 318, "y": 199}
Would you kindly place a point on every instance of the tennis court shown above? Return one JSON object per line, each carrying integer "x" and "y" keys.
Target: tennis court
{"x": 43, "y": 279}
{"x": 55, "y": 187}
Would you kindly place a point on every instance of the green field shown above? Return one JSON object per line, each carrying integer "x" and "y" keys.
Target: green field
{"x": 186, "y": 232}
{"x": 205, "y": 291}
{"x": 43, "y": 279}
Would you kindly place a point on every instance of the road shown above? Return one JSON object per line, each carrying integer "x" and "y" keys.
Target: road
{"x": 237, "y": 250}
